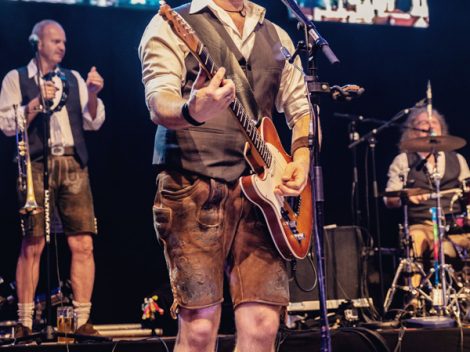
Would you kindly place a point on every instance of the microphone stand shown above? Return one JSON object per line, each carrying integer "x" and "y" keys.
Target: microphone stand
{"x": 316, "y": 41}
{"x": 371, "y": 138}
{"x": 355, "y": 208}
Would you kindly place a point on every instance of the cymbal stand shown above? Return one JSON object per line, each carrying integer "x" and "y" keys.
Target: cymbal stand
{"x": 443, "y": 273}
{"x": 407, "y": 267}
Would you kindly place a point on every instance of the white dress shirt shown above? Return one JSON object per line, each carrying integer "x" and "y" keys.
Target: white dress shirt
{"x": 60, "y": 130}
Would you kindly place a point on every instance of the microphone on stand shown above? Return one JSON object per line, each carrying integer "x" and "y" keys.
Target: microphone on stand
{"x": 429, "y": 107}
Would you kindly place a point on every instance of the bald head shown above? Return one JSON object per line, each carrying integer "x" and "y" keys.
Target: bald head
{"x": 40, "y": 28}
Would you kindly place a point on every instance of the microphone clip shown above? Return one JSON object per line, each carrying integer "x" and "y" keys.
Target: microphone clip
{"x": 300, "y": 46}
{"x": 347, "y": 92}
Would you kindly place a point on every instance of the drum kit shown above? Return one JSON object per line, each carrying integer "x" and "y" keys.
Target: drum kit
{"x": 441, "y": 294}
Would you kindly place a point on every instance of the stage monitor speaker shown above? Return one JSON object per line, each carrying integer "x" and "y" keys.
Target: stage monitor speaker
{"x": 343, "y": 248}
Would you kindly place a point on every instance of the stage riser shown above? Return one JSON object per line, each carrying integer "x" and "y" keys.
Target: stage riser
{"x": 343, "y": 340}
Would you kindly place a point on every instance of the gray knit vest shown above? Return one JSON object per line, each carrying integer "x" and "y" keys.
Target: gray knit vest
{"x": 215, "y": 149}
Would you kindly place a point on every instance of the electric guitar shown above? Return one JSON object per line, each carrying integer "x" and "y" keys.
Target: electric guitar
{"x": 290, "y": 230}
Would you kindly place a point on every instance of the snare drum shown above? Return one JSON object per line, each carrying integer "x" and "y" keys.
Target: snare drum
{"x": 465, "y": 184}
{"x": 457, "y": 223}
{"x": 460, "y": 223}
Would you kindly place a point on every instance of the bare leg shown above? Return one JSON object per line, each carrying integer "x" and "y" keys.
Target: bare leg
{"x": 257, "y": 326}
{"x": 27, "y": 268}
{"x": 82, "y": 270}
{"x": 197, "y": 329}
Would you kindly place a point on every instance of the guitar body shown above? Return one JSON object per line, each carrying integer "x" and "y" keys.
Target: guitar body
{"x": 290, "y": 232}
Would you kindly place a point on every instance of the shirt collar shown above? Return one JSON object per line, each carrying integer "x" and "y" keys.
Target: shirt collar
{"x": 33, "y": 69}
{"x": 252, "y": 8}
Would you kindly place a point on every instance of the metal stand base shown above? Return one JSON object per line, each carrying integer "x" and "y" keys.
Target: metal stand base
{"x": 432, "y": 322}
{"x": 407, "y": 267}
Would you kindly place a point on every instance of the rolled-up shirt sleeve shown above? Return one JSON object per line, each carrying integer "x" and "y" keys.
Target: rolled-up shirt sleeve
{"x": 292, "y": 98}
{"x": 397, "y": 172}
{"x": 89, "y": 124}
{"x": 10, "y": 97}
{"x": 464, "y": 170}
{"x": 162, "y": 55}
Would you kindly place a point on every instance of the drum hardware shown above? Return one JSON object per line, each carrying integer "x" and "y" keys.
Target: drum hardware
{"x": 442, "y": 307}
{"x": 407, "y": 267}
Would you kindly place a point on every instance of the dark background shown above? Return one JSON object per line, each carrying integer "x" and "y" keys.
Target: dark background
{"x": 392, "y": 63}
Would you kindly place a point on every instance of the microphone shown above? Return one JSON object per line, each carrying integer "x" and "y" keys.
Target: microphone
{"x": 312, "y": 30}
{"x": 34, "y": 40}
{"x": 429, "y": 107}
{"x": 420, "y": 165}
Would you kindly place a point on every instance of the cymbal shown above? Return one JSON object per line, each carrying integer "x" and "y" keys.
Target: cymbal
{"x": 433, "y": 143}
{"x": 405, "y": 192}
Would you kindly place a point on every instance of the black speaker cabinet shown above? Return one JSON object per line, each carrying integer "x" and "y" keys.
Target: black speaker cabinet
{"x": 342, "y": 248}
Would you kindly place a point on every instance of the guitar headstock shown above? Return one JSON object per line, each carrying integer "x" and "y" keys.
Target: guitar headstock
{"x": 180, "y": 26}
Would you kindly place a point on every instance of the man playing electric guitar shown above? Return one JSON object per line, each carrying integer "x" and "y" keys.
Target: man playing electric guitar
{"x": 207, "y": 225}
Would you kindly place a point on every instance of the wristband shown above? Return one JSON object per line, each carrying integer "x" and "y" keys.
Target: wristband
{"x": 187, "y": 116}
{"x": 300, "y": 142}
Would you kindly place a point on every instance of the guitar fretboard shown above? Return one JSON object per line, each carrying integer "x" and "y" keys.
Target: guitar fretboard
{"x": 247, "y": 123}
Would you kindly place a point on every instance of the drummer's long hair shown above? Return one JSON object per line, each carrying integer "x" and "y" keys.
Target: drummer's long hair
{"x": 408, "y": 133}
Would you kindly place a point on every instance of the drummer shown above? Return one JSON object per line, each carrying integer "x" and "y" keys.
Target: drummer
{"x": 414, "y": 169}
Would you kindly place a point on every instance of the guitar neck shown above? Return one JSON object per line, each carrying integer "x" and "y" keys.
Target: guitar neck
{"x": 246, "y": 123}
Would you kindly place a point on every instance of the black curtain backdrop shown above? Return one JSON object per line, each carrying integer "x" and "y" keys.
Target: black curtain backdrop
{"x": 392, "y": 63}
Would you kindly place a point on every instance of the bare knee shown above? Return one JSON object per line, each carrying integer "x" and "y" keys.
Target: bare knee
{"x": 81, "y": 245}
{"x": 32, "y": 247}
{"x": 258, "y": 323}
{"x": 198, "y": 328}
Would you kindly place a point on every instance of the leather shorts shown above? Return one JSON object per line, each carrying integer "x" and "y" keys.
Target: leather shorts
{"x": 70, "y": 195}
{"x": 210, "y": 230}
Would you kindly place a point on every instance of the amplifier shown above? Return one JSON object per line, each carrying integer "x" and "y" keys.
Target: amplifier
{"x": 343, "y": 247}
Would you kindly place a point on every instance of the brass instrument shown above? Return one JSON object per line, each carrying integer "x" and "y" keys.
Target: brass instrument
{"x": 25, "y": 172}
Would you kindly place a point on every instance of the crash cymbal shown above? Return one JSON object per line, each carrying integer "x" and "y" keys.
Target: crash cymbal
{"x": 405, "y": 192}
{"x": 433, "y": 143}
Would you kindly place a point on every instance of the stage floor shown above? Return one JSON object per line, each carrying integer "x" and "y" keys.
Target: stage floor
{"x": 344, "y": 339}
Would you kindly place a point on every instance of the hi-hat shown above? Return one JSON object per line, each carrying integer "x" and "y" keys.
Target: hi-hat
{"x": 405, "y": 192}
{"x": 433, "y": 143}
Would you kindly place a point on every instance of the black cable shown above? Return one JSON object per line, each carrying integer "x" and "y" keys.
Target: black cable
{"x": 366, "y": 185}
{"x": 371, "y": 337}
{"x": 314, "y": 271}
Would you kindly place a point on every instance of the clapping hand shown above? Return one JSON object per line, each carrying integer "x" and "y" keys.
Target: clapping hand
{"x": 94, "y": 81}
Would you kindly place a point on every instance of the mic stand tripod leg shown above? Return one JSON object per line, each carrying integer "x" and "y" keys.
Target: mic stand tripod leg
{"x": 407, "y": 268}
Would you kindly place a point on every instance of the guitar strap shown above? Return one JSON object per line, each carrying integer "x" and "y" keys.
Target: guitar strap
{"x": 225, "y": 53}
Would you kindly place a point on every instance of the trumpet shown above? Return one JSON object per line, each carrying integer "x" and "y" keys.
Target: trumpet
{"x": 25, "y": 172}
